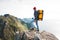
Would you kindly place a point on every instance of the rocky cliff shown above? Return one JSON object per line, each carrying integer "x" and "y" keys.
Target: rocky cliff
{"x": 12, "y": 28}
{"x": 9, "y": 25}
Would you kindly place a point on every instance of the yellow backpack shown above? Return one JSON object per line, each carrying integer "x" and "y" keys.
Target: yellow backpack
{"x": 40, "y": 15}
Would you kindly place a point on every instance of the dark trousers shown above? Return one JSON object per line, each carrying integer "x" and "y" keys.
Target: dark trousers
{"x": 36, "y": 21}
{"x": 37, "y": 25}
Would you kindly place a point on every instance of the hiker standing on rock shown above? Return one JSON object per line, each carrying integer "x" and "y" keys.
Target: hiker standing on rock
{"x": 36, "y": 17}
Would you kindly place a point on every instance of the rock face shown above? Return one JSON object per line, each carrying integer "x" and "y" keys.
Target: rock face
{"x": 47, "y": 36}
{"x": 35, "y": 35}
{"x": 8, "y": 27}
{"x": 12, "y": 28}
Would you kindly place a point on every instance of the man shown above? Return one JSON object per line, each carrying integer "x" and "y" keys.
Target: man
{"x": 36, "y": 17}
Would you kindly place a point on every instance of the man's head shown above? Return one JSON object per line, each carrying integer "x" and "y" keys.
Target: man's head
{"x": 34, "y": 8}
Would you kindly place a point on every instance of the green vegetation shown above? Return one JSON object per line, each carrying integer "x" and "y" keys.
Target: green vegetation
{"x": 9, "y": 25}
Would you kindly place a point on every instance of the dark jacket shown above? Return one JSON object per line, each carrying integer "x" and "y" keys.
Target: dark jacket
{"x": 36, "y": 14}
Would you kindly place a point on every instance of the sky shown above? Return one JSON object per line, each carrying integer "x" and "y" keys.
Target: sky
{"x": 24, "y": 9}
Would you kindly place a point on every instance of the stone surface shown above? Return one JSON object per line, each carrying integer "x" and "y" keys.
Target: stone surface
{"x": 48, "y": 36}
{"x": 34, "y": 35}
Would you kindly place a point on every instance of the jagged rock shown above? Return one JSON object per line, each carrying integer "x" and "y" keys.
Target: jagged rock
{"x": 12, "y": 28}
{"x": 35, "y": 35}
{"x": 31, "y": 35}
{"x": 8, "y": 27}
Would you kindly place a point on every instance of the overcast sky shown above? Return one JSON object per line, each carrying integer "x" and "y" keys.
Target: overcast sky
{"x": 24, "y": 9}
